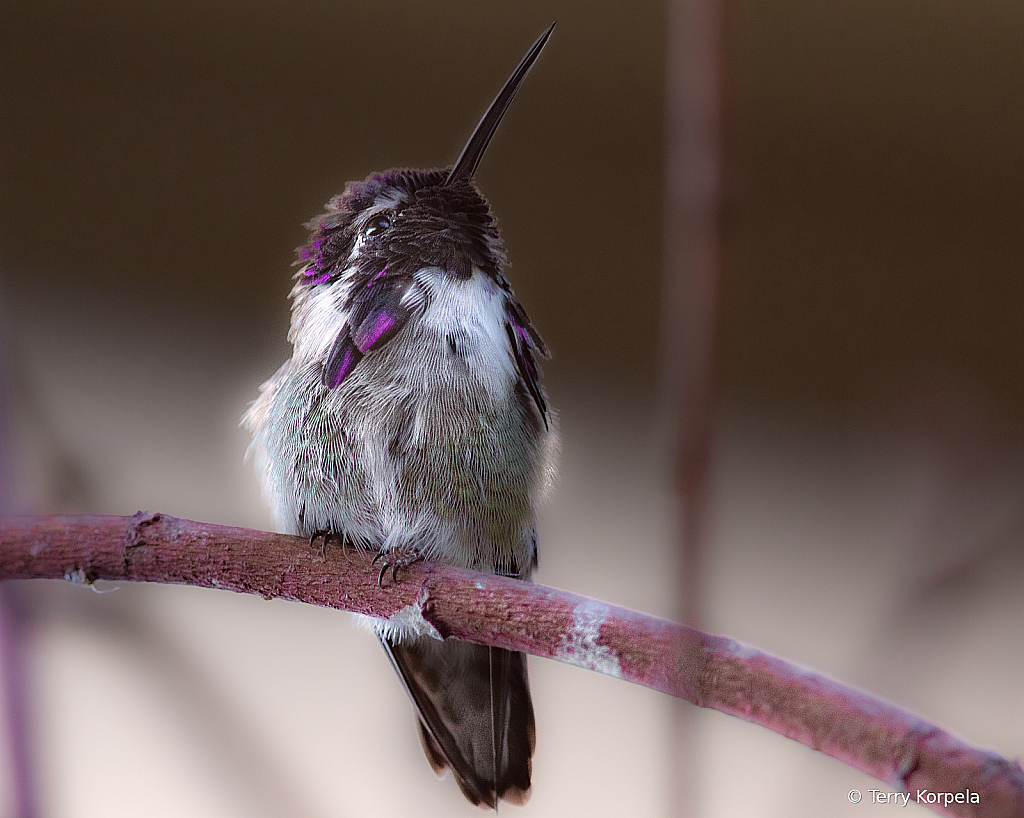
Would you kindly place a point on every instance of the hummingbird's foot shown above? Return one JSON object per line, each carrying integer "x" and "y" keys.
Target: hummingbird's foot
{"x": 395, "y": 559}
{"x": 325, "y": 537}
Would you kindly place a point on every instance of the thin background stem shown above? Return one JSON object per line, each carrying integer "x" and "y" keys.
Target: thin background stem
{"x": 13, "y": 630}
{"x": 694, "y": 170}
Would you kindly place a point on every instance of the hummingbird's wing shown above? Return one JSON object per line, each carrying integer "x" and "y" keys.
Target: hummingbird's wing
{"x": 526, "y": 345}
{"x": 376, "y": 315}
{"x": 475, "y": 712}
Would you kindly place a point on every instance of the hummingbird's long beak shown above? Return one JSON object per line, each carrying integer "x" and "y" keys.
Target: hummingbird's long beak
{"x": 466, "y": 164}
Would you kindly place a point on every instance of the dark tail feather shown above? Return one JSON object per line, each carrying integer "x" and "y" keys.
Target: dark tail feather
{"x": 475, "y": 714}
{"x": 438, "y": 763}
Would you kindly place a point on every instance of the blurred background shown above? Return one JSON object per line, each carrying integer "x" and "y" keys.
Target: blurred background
{"x": 863, "y": 506}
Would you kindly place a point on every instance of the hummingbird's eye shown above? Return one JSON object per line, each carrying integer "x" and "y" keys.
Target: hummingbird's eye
{"x": 378, "y": 224}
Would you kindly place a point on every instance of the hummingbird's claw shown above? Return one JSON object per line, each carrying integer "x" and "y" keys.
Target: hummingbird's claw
{"x": 325, "y": 538}
{"x": 323, "y": 543}
{"x": 396, "y": 561}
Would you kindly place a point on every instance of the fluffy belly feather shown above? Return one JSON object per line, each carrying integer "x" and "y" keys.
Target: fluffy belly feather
{"x": 432, "y": 443}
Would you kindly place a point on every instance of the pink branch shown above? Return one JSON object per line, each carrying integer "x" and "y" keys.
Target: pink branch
{"x": 710, "y": 671}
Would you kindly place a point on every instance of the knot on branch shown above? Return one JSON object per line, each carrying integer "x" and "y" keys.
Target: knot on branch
{"x": 136, "y": 534}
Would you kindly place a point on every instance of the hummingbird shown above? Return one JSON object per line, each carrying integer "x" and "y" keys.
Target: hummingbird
{"x": 411, "y": 420}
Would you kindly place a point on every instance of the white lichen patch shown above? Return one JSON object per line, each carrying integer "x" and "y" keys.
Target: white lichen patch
{"x": 77, "y": 577}
{"x": 579, "y": 645}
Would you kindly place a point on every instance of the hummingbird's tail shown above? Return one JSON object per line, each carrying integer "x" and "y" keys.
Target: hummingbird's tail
{"x": 475, "y": 713}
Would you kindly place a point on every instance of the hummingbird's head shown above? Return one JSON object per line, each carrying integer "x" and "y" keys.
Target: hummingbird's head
{"x": 386, "y": 244}
{"x": 403, "y": 220}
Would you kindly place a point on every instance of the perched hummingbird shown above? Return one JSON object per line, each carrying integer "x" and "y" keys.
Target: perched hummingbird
{"x": 410, "y": 420}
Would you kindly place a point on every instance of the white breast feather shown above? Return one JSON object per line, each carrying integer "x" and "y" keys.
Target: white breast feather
{"x": 473, "y": 312}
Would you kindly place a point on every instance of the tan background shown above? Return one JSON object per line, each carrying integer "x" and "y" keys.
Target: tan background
{"x": 156, "y": 165}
